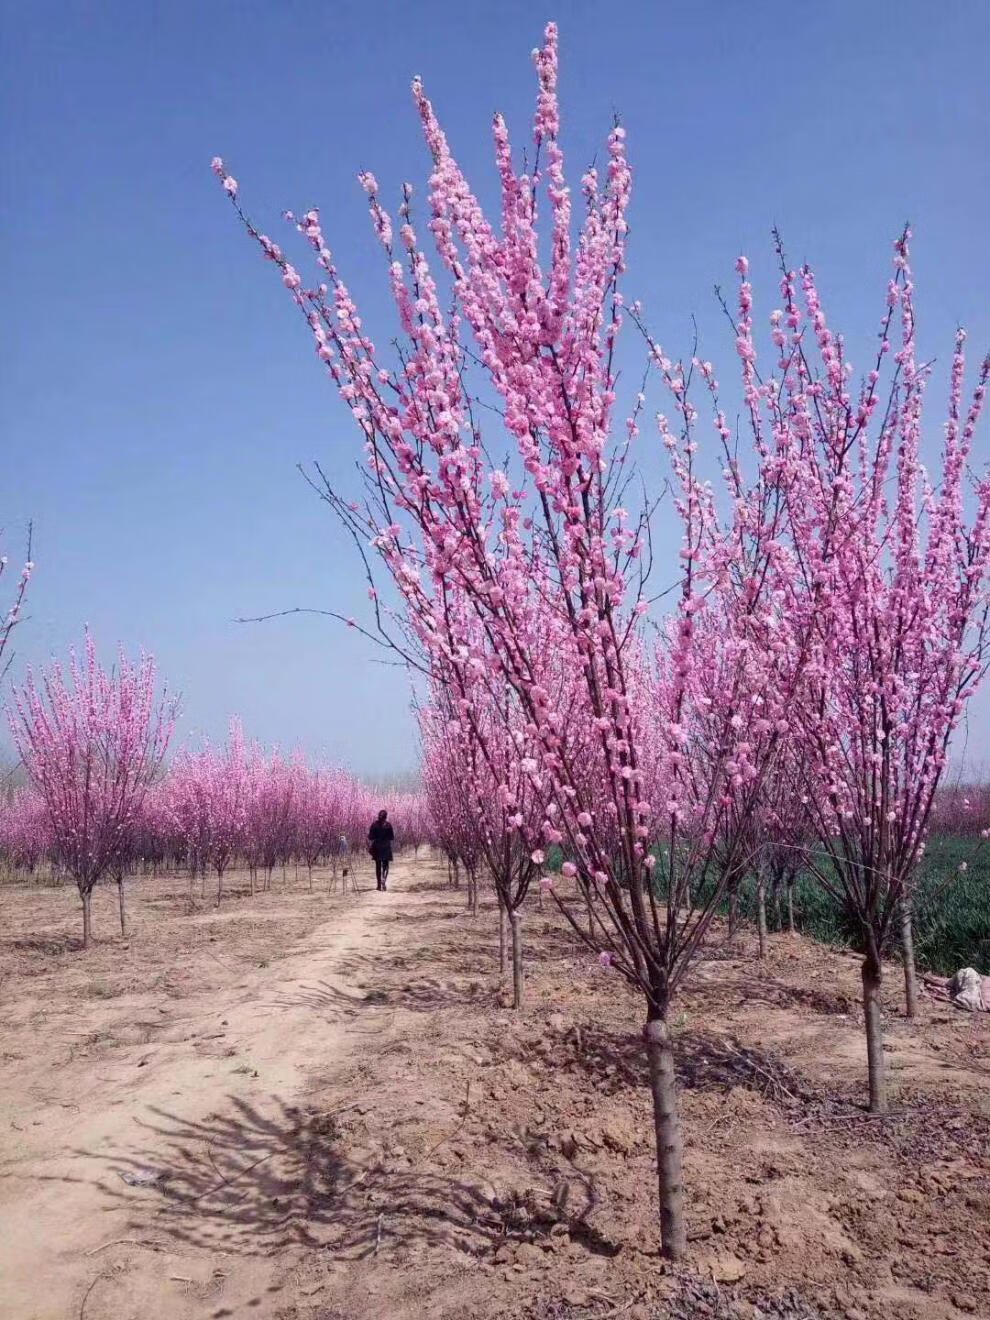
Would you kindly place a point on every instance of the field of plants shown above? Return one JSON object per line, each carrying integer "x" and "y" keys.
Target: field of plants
{"x": 952, "y": 921}
{"x": 665, "y": 990}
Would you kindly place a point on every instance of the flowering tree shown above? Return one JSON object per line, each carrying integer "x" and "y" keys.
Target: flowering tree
{"x": 208, "y": 792}
{"x": 92, "y": 744}
{"x": 523, "y": 584}
{"x": 318, "y": 824}
{"x": 272, "y": 794}
{"x": 25, "y": 838}
{"x": 900, "y": 623}
{"x": 448, "y": 760}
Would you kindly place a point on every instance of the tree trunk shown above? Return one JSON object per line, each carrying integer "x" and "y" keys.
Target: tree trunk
{"x": 310, "y": 866}
{"x": 501, "y": 937}
{"x": 515, "y": 922}
{"x": 219, "y": 886}
{"x": 761, "y": 912}
{"x": 733, "y": 909}
{"x": 591, "y": 911}
{"x": 872, "y": 976}
{"x": 86, "y": 895}
{"x": 907, "y": 953}
{"x": 790, "y": 904}
{"x": 120, "y": 900}
{"x": 660, "y": 1055}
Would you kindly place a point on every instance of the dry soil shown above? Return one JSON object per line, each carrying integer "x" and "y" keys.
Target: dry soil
{"x": 314, "y": 1106}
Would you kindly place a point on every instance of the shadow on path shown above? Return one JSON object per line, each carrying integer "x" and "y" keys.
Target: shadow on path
{"x": 253, "y": 1181}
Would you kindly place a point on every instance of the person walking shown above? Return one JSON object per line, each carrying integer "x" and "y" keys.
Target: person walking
{"x": 380, "y": 839}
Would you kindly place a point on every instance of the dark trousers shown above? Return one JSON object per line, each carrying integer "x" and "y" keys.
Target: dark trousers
{"x": 381, "y": 872}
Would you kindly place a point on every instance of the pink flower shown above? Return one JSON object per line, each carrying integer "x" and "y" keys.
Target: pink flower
{"x": 230, "y": 185}
{"x": 605, "y": 958}
{"x": 568, "y": 869}
{"x": 537, "y": 856}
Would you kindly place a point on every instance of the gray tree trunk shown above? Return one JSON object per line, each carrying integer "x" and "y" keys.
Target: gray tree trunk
{"x": 515, "y": 922}
{"x": 87, "y": 928}
{"x": 872, "y": 972}
{"x": 660, "y": 1055}
{"x": 907, "y": 953}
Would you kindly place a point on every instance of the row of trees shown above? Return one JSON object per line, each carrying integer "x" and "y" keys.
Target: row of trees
{"x": 101, "y": 803}
{"x": 829, "y": 615}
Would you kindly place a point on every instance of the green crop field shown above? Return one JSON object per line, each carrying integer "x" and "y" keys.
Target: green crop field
{"x": 952, "y": 907}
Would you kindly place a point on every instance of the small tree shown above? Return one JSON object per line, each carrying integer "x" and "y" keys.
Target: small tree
{"x": 899, "y": 624}
{"x": 498, "y": 568}
{"x": 92, "y": 745}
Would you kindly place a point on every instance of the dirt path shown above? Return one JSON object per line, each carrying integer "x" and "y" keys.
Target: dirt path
{"x": 192, "y": 1095}
{"x": 313, "y": 1107}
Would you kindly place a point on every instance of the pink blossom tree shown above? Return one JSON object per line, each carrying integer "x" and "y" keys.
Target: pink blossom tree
{"x": 25, "y": 837}
{"x": 448, "y": 764}
{"x": 523, "y": 584}
{"x": 900, "y": 639}
{"x": 272, "y": 792}
{"x": 92, "y": 744}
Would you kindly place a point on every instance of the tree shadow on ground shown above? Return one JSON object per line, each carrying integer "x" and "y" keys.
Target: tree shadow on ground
{"x": 421, "y": 995}
{"x": 617, "y": 1060}
{"x": 255, "y": 1180}
{"x": 47, "y": 945}
{"x": 759, "y": 989}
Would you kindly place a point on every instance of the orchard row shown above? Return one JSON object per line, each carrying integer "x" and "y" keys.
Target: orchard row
{"x": 101, "y": 803}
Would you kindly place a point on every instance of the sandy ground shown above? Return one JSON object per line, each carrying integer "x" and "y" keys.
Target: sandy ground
{"x": 310, "y": 1106}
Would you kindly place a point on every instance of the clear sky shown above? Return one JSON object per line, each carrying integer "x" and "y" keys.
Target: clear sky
{"x": 157, "y": 390}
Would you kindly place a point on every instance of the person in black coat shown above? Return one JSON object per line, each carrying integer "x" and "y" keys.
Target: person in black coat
{"x": 380, "y": 838}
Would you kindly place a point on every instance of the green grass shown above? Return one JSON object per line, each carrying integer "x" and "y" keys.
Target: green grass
{"x": 954, "y": 927}
{"x": 952, "y": 922}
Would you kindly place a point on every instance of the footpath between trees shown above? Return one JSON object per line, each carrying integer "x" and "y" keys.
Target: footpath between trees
{"x": 314, "y": 1108}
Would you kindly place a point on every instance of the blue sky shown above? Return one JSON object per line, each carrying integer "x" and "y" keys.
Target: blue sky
{"x": 157, "y": 390}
